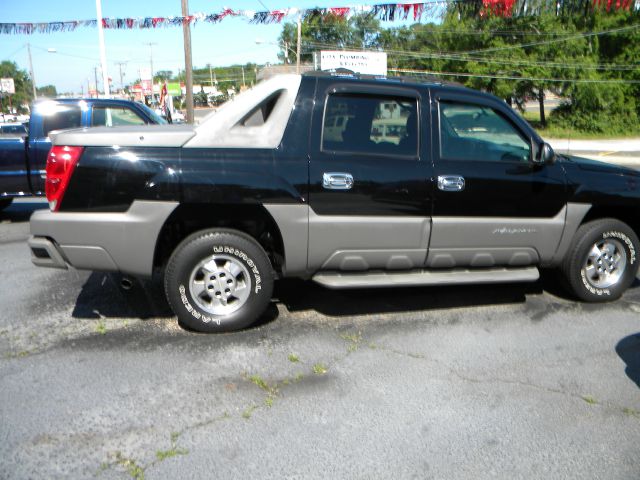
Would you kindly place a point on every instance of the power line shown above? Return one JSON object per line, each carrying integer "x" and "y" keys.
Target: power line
{"x": 507, "y": 77}
{"x": 16, "y": 52}
{"x": 557, "y": 40}
{"x": 464, "y": 58}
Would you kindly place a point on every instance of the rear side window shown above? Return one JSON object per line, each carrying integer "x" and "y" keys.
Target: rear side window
{"x": 62, "y": 118}
{"x": 370, "y": 124}
{"x": 260, "y": 113}
{"x": 114, "y": 117}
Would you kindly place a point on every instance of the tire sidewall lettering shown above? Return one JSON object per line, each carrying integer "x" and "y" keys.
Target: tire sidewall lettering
{"x": 192, "y": 310}
{"x": 228, "y": 250}
{"x": 618, "y": 235}
{"x": 624, "y": 238}
{"x": 595, "y": 291}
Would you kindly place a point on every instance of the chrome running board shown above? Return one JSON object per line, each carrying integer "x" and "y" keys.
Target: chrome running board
{"x": 339, "y": 280}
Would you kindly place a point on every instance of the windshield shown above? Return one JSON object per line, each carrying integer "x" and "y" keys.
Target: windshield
{"x": 153, "y": 115}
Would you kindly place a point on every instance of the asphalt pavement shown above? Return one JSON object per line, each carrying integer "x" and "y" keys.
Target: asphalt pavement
{"x": 501, "y": 381}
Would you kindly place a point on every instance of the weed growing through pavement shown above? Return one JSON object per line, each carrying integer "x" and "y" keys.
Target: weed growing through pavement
{"x": 320, "y": 369}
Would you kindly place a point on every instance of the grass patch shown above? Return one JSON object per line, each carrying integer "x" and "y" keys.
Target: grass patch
{"x": 246, "y": 414}
{"x": 173, "y": 451}
{"x": 560, "y": 131}
{"x": 320, "y": 369}
{"x": 293, "y": 358}
{"x": 259, "y": 382}
{"x": 354, "y": 340}
{"x": 632, "y": 412}
{"x": 101, "y": 328}
{"x": 131, "y": 466}
{"x": 590, "y": 400}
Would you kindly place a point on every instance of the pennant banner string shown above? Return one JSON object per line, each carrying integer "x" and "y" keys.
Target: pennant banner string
{"x": 386, "y": 12}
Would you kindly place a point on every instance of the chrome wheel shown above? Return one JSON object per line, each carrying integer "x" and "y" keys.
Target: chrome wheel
{"x": 220, "y": 284}
{"x": 605, "y": 263}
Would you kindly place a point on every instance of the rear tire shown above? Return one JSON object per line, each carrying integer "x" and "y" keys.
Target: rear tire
{"x": 602, "y": 261}
{"x": 5, "y": 202}
{"x": 218, "y": 281}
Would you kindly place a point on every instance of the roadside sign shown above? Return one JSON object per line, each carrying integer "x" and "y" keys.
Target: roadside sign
{"x": 369, "y": 63}
{"x": 7, "y": 86}
{"x": 174, "y": 88}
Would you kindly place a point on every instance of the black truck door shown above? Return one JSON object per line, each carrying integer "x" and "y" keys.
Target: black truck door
{"x": 368, "y": 178}
{"x": 493, "y": 206}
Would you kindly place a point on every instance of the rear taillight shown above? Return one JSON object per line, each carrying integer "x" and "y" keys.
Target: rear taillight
{"x": 60, "y": 164}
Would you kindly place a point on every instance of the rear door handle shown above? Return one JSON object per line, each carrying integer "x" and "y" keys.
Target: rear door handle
{"x": 337, "y": 181}
{"x": 450, "y": 183}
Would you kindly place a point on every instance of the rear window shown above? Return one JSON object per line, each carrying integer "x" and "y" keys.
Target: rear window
{"x": 115, "y": 117}
{"x": 63, "y": 118}
{"x": 13, "y": 129}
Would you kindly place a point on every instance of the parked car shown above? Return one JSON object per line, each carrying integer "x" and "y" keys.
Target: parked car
{"x": 268, "y": 188}
{"x": 23, "y": 158}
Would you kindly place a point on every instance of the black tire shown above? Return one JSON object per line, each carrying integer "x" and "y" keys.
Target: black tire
{"x": 602, "y": 261}
{"x": 218, "y": 281}
{"x": 5, "y": 202}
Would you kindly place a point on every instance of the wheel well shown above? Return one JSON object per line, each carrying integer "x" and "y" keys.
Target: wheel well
{"x": 628, "y": 215}
{"x": 253, "y": 220}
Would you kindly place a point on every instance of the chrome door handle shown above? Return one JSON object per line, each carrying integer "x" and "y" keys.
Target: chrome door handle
{"x": 450, "y": 183}
{"x": 337, "y": 181}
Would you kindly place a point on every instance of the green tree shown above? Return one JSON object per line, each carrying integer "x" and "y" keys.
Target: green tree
{"x": 331, "y": 32}
{"x": 48, "y": 91}
{"x": 22, "y": 83}
{"x": 162, "y": 76}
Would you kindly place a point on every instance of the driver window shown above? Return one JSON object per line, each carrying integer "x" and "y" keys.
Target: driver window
{"x": 474, "y": 132}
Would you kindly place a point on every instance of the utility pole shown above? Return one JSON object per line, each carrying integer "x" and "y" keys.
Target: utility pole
{"x": 298, "y": 46}
{"x": 120, "y": 64}
{"x": 243, "y": 85}
{"x": 151, "y": 44}
{"x": 33, "y": 78}
{"x": 188, "y": 67}
{"x": 103, "y": 52}
{"x": 95, "y": 75}
{"x": 210, "y": 74}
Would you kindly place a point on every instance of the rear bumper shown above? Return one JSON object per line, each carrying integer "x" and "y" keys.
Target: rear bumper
{"x": 123, "y": 242}
{"x": 44, "y": 253}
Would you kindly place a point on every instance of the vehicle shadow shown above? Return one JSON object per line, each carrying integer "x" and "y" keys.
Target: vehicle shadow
{"x": 19, "y": 212}
{"x": 103, "y": 296}
{"x": 298, "y": 295}
{"x": 628, "y": 349}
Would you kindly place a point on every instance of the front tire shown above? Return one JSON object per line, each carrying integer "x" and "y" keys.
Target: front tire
{"x": 218, "y": 281}
{"x": 602, "y": 261}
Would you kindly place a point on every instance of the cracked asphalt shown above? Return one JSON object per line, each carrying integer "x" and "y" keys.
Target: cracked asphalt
{"x": 508, "y": 381}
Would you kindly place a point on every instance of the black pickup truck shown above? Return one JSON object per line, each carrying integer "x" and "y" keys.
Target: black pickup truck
{"x": 351, "y": 182}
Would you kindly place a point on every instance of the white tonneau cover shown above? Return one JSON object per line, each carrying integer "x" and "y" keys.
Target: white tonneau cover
{"x": 133, "y": 136}
{"x": 220, "y": 129}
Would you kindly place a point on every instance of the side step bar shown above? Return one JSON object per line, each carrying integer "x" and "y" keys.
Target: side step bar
{"x": 339, "y": 280}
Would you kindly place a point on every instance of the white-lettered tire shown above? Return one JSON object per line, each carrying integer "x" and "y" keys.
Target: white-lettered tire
{"x": 602, "y": 261}
{"x": 218, "y": 280}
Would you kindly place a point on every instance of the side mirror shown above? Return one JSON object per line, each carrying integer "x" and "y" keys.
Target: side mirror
{"x": 545, "y": 155}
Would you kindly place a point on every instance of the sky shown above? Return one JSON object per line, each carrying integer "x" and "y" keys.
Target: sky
{"x": 71, "y": 67}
